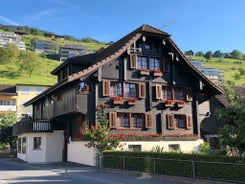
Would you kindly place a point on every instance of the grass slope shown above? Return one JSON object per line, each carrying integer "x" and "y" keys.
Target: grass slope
{"x": 229, "y": 66}
{"x": 9, "y": 73}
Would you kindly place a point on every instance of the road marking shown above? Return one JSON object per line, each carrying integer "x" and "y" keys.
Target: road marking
{"x": 3, "y": 181}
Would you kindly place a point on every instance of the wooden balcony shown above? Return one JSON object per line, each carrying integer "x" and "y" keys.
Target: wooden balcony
{"x": 31, "y": 125}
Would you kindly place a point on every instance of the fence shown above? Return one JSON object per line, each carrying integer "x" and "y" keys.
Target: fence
{"x": 230, "y": 172}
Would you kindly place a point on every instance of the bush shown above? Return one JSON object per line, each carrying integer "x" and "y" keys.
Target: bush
{"x": 205, "y": 166}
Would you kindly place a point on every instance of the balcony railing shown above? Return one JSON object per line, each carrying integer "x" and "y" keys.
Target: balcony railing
{"x": 32, "y": 125}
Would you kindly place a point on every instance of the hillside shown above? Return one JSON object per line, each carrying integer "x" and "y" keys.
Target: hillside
{"x": 9, "y": 73}
{"x": 229, "y": 66}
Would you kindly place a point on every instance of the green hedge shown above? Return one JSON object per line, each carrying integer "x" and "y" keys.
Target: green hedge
{"x": 204, "y": 166}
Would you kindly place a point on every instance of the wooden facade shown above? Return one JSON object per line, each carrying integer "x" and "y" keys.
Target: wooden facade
{"x": 149, "y": 86}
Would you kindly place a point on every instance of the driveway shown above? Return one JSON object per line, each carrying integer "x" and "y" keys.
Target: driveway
{"x": 13, "y": 170}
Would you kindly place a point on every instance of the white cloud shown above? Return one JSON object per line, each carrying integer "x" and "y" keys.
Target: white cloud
{"x": 8, "y": 21}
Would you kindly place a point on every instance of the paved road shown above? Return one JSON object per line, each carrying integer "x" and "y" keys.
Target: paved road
{"x": 13, "y": 170}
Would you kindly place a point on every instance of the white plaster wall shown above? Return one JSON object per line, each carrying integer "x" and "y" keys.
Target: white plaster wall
{"x": 54, "y": 146}
{"x": 33, "y": 155}
{"x": 185, "y": 146}
{"x": 79, "y": 153}
{"x": 38, "y": 155}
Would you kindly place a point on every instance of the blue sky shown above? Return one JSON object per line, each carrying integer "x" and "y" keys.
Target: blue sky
{"x": 200, "y": 25}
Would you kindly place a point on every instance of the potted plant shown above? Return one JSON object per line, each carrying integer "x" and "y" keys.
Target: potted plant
{"x": 85, "y": 89}
{"x": 144, "y": 71}
{"x": 132, "y": 101}
{"x": 169, "y": 103}
{"x": 157, "y": 72}
{"x": 181, "y": 103}
{"x": 118, "y": 100}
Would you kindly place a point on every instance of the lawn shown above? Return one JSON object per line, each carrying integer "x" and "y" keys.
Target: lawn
{"x": 9, "y": 73}
{"x": 229, "y": 66}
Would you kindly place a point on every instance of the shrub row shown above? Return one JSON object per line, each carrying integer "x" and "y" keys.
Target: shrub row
{"x": 190, "y": 165}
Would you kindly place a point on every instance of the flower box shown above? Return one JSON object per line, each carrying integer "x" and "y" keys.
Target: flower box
{"x": 169, "y": 103}
{"x": 132, "y": 101}
{"x": 144, "y": 72}
{"x": 118, "y": 100}
{"x": 181, "y": 103}
{"x": 157, "y": 73}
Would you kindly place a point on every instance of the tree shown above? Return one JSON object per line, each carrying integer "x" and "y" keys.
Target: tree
{"x": 9, "y": 53}
{"x": 236, "y": 54}
{"x": 28, "y": 62}
{"x": 232, "y": 134}
{"x": 208, "y": 55}
{"x": 217, "y": 54}
{"x": 199, "y": 53}
{"x": 98, "y": 136}
{"x": 7, "y": 120}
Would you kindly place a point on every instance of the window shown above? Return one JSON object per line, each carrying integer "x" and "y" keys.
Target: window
{"x": 167, "y": 93}
{"x": 135, "y": 148}
{"x": 174, "y": 147}
{"x": 179, "y": 94}
{"x": 25, "y": 90}
{"x": 19, "y": 145}
{"x": 173, "y": 93}
{"x": 23, "y": 145}
{"x": 137, "y": 120}
{"x": 179, "y": 121}
{"x": 123, "y": 120}
{"x": 39, "y": 90}
{"x": 125, "y": 90}
{"x": 142, "y": 62}
{"x": 37, "y": 141}
{"x": 7, "y": 102}
{"x": 116, "y": 89}
{"x": 129, "y": 120}
{"x": 130, "y": 90}
{"x": 154, "y": 63}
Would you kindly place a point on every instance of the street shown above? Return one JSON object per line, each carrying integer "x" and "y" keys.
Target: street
{"x": 13, "y": 170}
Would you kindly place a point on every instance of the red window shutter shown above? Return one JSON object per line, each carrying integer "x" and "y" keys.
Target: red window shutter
{"x": 142, "y": 90}
{"x": 112, "y": 119}
{"x": 188, "y": 122}
{"x": 158, "y": 91}
{"x": 171, "y": 124}
{"x": 133, "y": 61}
{"x": 189, "y": 94}
{"x": 106, "y": 88}
{"x": 148, "y": 120}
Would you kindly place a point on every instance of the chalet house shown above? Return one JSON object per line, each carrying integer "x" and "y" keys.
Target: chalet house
{"x": 149, "y": 87}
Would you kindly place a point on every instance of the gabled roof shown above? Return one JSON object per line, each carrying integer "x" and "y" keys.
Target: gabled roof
{"x": 7, "y": 89}
{"x": 103, "y": 56}
{"x": 223, "y": 99}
